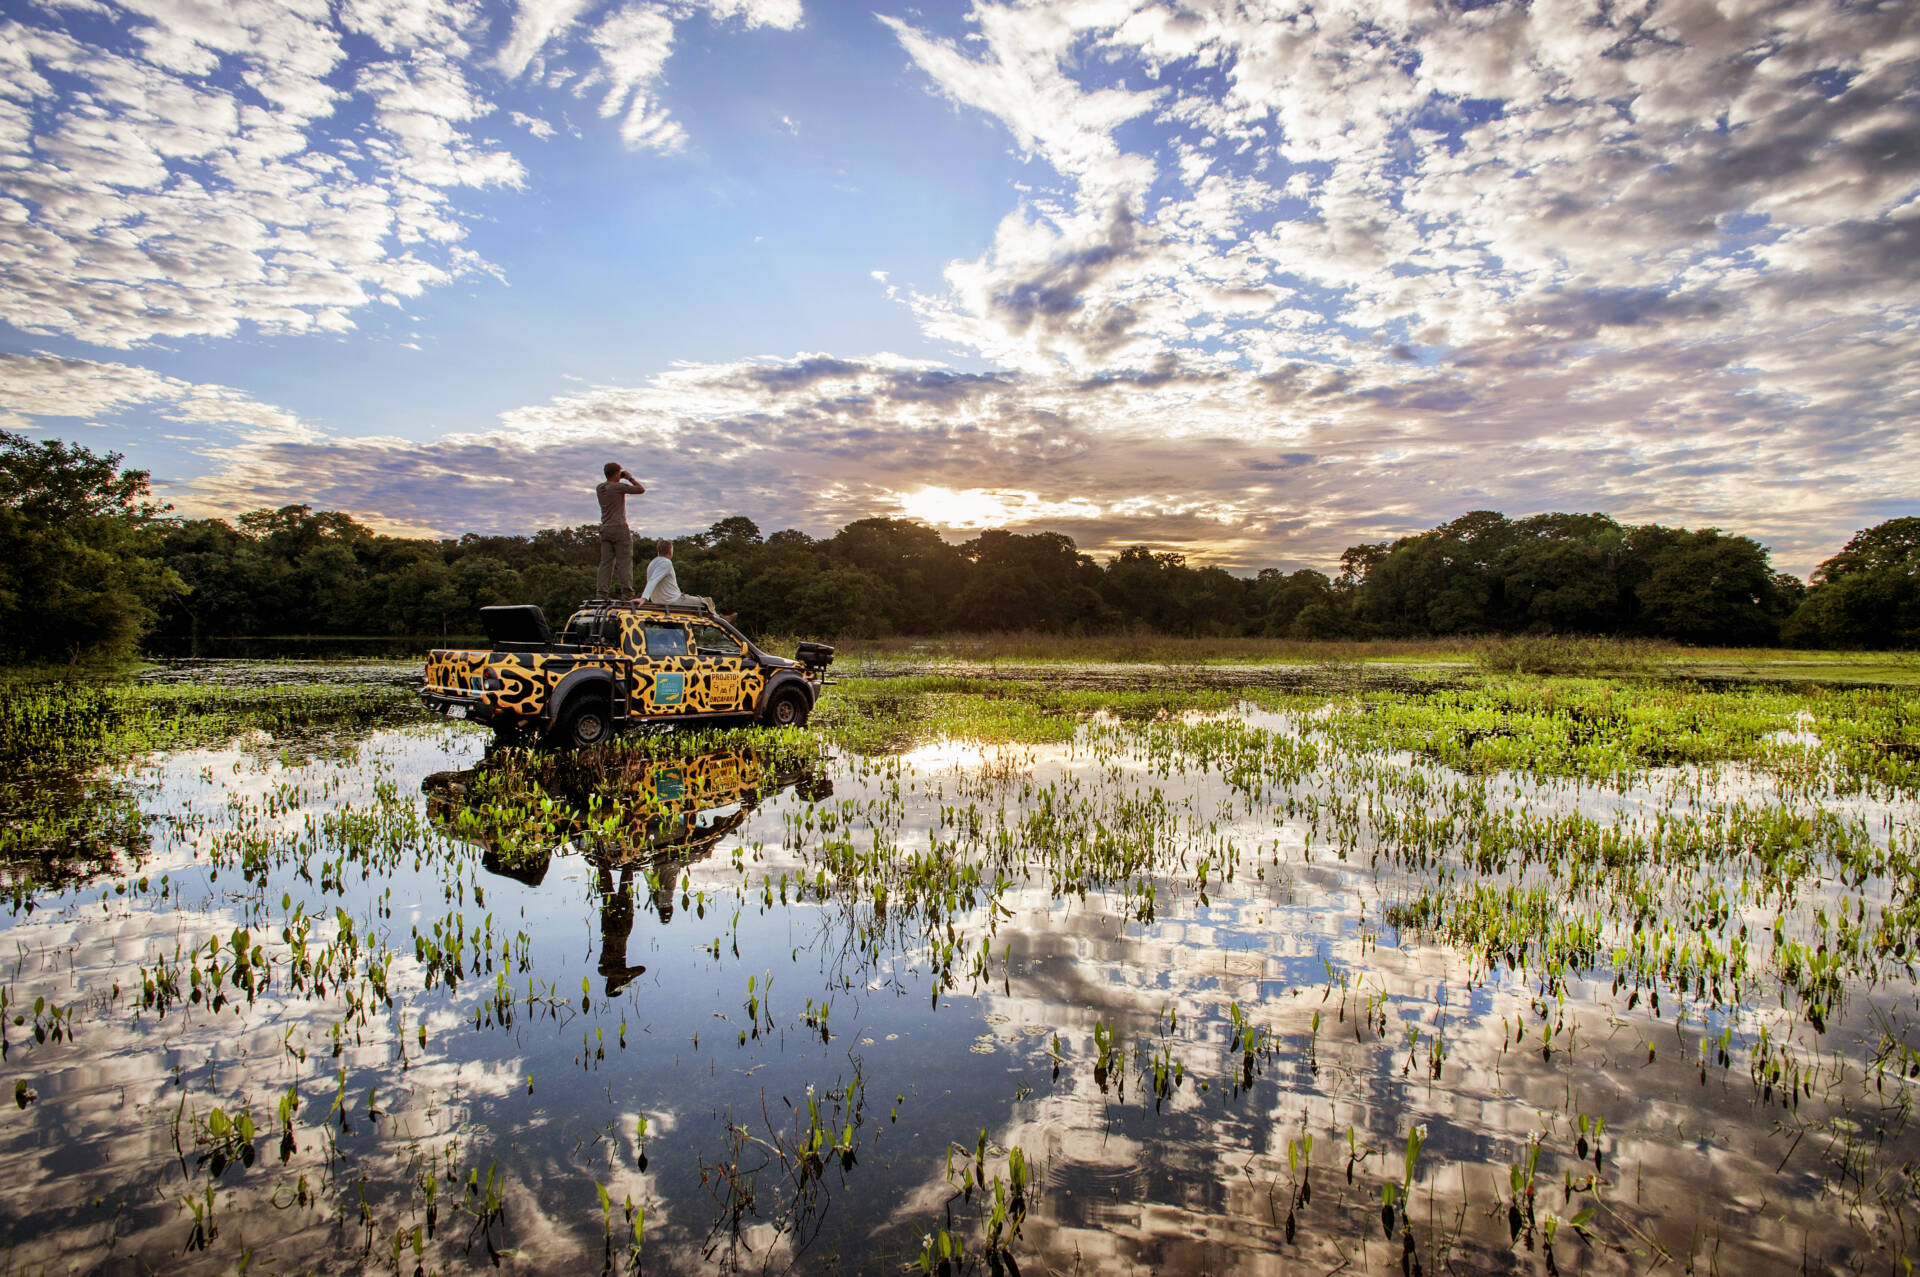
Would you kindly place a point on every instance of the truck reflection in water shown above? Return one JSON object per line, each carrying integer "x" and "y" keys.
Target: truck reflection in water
{"x": 672, "y": 812}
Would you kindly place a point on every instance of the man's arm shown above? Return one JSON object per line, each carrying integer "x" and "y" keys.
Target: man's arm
{"x": 633, "y": 485}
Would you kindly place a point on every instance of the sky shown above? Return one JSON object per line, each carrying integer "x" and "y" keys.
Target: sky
{"x": 1251, "y": 282}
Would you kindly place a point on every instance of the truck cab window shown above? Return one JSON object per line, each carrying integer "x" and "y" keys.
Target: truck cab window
{"x": 666, "y": 640}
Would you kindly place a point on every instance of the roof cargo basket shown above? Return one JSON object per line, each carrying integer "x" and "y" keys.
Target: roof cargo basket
{"x": 517, "y": 623}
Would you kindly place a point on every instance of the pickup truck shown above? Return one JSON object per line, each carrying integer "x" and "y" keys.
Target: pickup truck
{"x": 618, "y": 663}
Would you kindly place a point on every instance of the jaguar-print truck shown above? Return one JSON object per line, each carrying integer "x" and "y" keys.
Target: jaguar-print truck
{"x": 618, "y": 663}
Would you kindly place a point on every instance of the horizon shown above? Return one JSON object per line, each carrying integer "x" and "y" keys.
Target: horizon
{"x": 1101, "y": 557}
{"x": 1247, "y": 289}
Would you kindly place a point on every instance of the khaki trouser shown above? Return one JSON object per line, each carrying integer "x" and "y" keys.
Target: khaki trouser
{"x": 616, "y": 558}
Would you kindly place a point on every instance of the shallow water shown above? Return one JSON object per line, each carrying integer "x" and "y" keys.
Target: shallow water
{"x": 1153, "y": 960}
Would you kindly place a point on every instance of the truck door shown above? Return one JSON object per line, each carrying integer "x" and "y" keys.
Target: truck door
{"x": 665, "y": 667}
{"x": 724, "y": 662}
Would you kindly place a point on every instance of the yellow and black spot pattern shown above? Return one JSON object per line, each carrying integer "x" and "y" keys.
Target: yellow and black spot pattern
{"x": 657, "y": 686}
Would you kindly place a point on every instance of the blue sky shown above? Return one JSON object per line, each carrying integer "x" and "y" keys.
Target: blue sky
{"x": 1250, "y": 281}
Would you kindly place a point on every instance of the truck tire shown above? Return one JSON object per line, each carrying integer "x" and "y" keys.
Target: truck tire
{"x": 586, "y": 720}
{"x": 787, "y": 707}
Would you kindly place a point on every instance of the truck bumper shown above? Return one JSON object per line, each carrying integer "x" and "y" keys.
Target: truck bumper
{"x": 456, "y": 705}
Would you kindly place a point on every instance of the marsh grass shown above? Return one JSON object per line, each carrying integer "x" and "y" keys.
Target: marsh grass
{"x": 883, "y": 715}
{"x": 1136, "y": 648}
{"x": 1591, "y": 727}
{"x": 1625, "y": 865}
{"x": 1582, "y": 655}
{"x": 1535, "y": 654}
{"x": 57, "y": 725}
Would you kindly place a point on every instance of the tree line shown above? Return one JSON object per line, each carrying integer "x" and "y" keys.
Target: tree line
{"x": 91, "y": 564}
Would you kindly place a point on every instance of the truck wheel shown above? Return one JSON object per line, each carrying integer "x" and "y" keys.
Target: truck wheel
{"x": 788, "y": 708}
{"x": 587, "y": 720}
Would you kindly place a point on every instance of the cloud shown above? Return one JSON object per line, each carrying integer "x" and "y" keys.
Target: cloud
{"x": 39, "y": 389}
{"x": 1279, "y": 278}
{"x": 1240, "y": 471}
{"x": 782, "y": 14}
{"x": 535, "y": 24}
{"x": 1434, "y": 175}
{"x": 185, "y": 170}
{"x": 634, "y": 43}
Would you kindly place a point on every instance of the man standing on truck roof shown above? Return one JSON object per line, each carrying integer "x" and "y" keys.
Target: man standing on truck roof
{"x": 616, "y": 539}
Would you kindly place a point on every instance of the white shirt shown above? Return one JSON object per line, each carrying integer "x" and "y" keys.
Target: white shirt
{"x": 662, "y": 585}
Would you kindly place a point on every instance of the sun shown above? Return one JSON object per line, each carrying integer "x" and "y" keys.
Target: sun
{"x": 987, "y": 507}
{"x": 953, "y": 508}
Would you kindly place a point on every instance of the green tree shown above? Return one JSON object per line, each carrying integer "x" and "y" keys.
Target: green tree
{"x": 1142, "y": 584}
{"x": 922, "y": 572}
{"x": 1284, "y": 599}
{"x": 1705, "y": 586}
{"x": 843, "y": 601}
{"x": 1561, "y": 574}
{"x": 227, "y": 577}
{"x": 80, "y": 573}
{"x": 1868, "y": 595}
{"x": 1030, "y": 581}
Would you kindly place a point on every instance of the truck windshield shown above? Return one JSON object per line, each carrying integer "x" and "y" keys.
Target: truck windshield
{"x": 714, "y": 641}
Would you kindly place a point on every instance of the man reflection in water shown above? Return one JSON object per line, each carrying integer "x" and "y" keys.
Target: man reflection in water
{"x": 616, "y": 925}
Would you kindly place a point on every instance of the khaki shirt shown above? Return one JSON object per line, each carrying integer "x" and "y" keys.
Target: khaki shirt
{"x": 613, "y": 502}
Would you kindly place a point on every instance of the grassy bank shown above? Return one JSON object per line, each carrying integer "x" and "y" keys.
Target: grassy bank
{"x": 1519, "y": 654}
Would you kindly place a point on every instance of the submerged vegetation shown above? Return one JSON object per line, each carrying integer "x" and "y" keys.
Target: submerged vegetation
{"x": 1461, "y": 967}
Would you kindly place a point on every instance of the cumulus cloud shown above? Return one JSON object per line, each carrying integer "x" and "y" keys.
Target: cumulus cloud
{"x": 1249, "y": 473}
{"x": 1330, "y": 172}
{"x": 1284, "y": 277}
{"x": 37, "y": 390}
{"x": 1657, "y": 260}
{"x": 173, "y": 169}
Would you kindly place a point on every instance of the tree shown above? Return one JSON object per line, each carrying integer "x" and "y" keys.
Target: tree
{"x": 734, "y": 532}
{"x": 226, "y": 575}
{"x": 296, "y": 569}
{"x": 1283, "y": 600}
{"x": 1031, "y": 581}
{"x": 1706, "y": 587}
{"x": 1139, "y": 583}
{"x": 1868, "y": 595}
{"x": 843, "y": 600}
{"x": 1568, "y": 573}
{"x": 1561, "y": 574}
{"x": 80, "y": 574}
{"x": 921, "y": 570}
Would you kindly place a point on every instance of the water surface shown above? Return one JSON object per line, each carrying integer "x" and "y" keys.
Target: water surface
{"x": 752, "y": 1002}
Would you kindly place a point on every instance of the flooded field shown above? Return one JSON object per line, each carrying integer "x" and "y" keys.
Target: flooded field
{"x": 1483, "y": 974}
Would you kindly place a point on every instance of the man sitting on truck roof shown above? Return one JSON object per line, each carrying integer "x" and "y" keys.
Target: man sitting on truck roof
{"x": 664, "y": 587}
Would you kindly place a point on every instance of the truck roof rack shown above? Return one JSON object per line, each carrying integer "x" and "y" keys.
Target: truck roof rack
{"x": 641, "y": 605}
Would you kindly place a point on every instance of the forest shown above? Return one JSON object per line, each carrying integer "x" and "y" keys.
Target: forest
{"x": 92, "y": 565}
